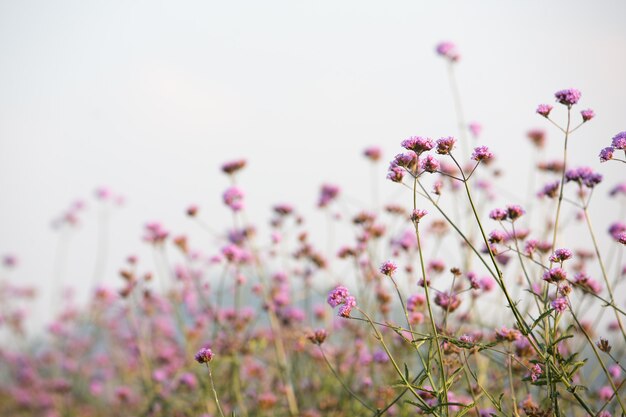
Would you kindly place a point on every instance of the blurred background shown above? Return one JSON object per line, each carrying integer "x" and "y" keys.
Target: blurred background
{"x": 149, "y": 98}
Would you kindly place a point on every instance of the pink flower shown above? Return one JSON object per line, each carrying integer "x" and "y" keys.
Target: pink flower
{"x": 448, "y": 50}
{"x": 544, "y": 109}
{"x": 445, "y": 145}
{"x": 373, "y": 153}
{"x": 233, "y": 198}
{"x": 482, "y": 153}
{"x": 204, "y": 355}
{"x": 568, "y": 97}
{"x": 587, "y": 114}
{"x": 388, "y": 268}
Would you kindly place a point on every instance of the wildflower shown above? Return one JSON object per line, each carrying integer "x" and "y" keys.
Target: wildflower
{"x": 373, "y": 153}
{"x": 619, "y": 141}
{"x": 510, "y": 335}
{"x": 550, "y": 190}
{"x": 430, "y": 164}
{"x": 482, "y": 153}
{"x": 418, "y": 144}
{"x": 417, "y": 215}
{"x": 204, "y": 355}
{"x": 544, "y": 109}
{"x": 583, "y": 281}
{"x": 448, "y": 50}
{"x": 445, "y": 145}
{"x": 561, "y": 255}
{"x": 606, "y": 393}
{"x": 587, "y": 114}
{"x": 233, "y": 166}
{"x": 328, "y": 193}
{"x": 537, "y": 137}
{"x": 449, "y": 302}
{"x": 535, "y": 372}
{"x": 606, "y": 154}
{"x": 583, "y": 176}
{"x": 395, "y": 174}
{"x": 406, "y": 160}
{"x": 568, "y": 97}
{"x": 233, "y": 198}
{"x": 475, "y": 128}
{"x": 414, "y": 301}
{"x": 192, "y": 210}
{"x": 559, "y": 304}
{"x": 155, "y": 233}
{"x": 621, "y": 238}
{"x": 555, "y": 275}
{"x": 388, "y": 268}
{"x": 616, "y": 229}
{"x": 337, "y": 296}
{"x": 348, "y": 305}
{"x": 514, "y": 212}
{"x": 318, "y": 336}
{"x": 496, "y": 236}
{"x": 498, "y": 214}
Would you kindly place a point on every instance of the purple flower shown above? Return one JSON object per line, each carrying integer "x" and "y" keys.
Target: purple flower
{"x": 550, "y": 190}
{"x": 406, "y": 160}
{"x": 559, "y": 304}
{"x": 373, "y": 153}
{"x": 204, "y": 355}
{"x": 395, "y": 173}
{"x": 606, "y": 154}
{"x": 544, "y": 109}
{"x": 587, "y": 114}
{"x": 561, "y": 255}
{"x": 482, "y": 153}
{"x": 583, "y": 281}
{"x": 445, "y": 145}
{"x": 568, "y": 97}
{"x": 348, "y": 305}
{"x": 555, "y": 275}
{"x": 508, "y": 334}
{"x": 475, "y": 128}
{"x": 418, "y": 214}
{"x": 537, "y": 136}
{"x": 621, "y": 238}
{"x": 616, "y": 229}
{"x": 618, "y": 189}
{"x": 414, "y": 301}
{"x": 496, "y": 236}
{"x": 388, "y": 268}
{"x": 448, "y": 50}
{"x": 337, "y": 296}
{"x": 619, "y": 141}
{"x": 583, "y": 176}
{"x": 535, "y": 372}
{"x": 430, "y": 164}
{"x": 328, "y": 193}
{"x": 497, "y": 214}
{"x": 514, "y": 212}
{"x": 418, "y": 144}
{"x": 233, "y": 198}
{"x": 448, "y": 302}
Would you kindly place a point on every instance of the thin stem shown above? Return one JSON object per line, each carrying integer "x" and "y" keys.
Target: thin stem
{"x": 217, "y": 401}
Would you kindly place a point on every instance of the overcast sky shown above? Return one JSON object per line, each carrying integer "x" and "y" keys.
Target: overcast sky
{"x": 150, "y": 97}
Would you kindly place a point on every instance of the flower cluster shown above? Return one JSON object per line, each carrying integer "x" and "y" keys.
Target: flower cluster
{"x": 340, "y": 296}
{"x": 568, "y": 97}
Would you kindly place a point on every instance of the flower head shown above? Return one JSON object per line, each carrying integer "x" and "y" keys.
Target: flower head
{"x": 568, "y": 97}
{"x": 418, "y": 214}
{"x": 555, "y": 275}
{"x": 561, "y": 255}
{"x": 587, "y": 114}
{"x": 233, "y": 198}
{"x": 482, "y": 153}
{"x": 388, "y": 268}
{"x": 418, "y": 144}
{"x": 619, "y": 141}
{"x": 328, "y": 193}
{"x": 233, "y": 166}
{"x": 537, "y": 137}
{"x": 583, "y": 176}
{"x": 559, "y": 304}
{"x": 497, "y": 214}
{"x": 606, "y": 154}
{"x": 448, "y": 50}
{"x": 337, "y": 296}
{"x": 373, "y": 153}
{"x": 318, "y": 336}
{"x": 204, "y": 355}
{"x": 395, "y": 173}
{"x": 544, "y": 109}
{"x": 430, "y": 164}
{"x": 347, "y": 306}
{"x": 514, "y": 211}
{"x": 445, "y": 145}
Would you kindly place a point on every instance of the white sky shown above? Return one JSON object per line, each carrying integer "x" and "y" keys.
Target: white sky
{"x": 150, "y": 97}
